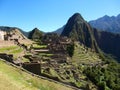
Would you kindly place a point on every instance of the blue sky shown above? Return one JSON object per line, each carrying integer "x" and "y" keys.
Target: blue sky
{"x": 49, "y": 15}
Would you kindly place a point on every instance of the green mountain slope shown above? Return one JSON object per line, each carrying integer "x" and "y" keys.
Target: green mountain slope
{"x": 35, "y": 34}
{"x": 78, "y": 29}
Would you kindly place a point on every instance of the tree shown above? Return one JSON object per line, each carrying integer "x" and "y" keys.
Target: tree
{"x": 70, "y": 49}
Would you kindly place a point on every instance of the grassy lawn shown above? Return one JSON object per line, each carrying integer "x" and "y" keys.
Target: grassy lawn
{"x": 12, "y": 78}
{"x": 15, "y": 50}
{"x": 6, "y": 49}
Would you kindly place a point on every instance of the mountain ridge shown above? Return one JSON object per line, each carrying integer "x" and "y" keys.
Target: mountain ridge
{"x": 107, "y": 23}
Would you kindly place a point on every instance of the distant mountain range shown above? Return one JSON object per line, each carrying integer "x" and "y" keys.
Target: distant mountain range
{"x": 107, "y": 23}
{"x": 59, "y": 30}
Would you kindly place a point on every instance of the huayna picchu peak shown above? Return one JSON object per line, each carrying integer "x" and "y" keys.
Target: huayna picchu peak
{"x": 78, "y": 29}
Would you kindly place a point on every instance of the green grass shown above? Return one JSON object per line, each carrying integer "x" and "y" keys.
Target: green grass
{"x": 25, "y": 59}
{"x": 39, "y": 46}
{"x": 19, "y": 80}
{"x": 6, "y": 49}
{"x": 45, "y": 54}
{"x": 11, "y": 50}
{"x": 19, "y": 50}
{"x": 15, "y": 50}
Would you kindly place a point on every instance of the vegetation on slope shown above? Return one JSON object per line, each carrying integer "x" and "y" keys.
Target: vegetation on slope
{"x": 15, "y": 50}
{"x": 35, "y": 34}
{"x": 105, "y": 77}
{"x": 85, "y": 55}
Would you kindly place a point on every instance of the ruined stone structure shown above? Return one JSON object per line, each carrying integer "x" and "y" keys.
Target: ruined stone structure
{"x": 11, "y": 35}
{"x": 2, "y": 34}
{"x": 33, "y": 67}
{"x": 7, "y": 57}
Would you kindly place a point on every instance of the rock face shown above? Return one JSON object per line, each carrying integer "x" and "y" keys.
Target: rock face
{"x": 78, "y": 29}
{"x": 108, "y": 42}
{"x": 106, "y": 23}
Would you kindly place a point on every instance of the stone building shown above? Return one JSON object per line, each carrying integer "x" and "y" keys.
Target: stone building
{"x": 2, "y": 34}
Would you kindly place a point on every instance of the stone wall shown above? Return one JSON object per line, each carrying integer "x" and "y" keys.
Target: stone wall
{"x": 6, "y": 43}
{"x": 6, "y": 57}
{"x": 32, "y": 67}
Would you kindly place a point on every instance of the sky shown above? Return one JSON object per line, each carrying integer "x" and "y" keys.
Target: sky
{"x": 49, "y": 15}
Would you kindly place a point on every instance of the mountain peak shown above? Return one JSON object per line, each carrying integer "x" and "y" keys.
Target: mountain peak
{"x": 35, "y": 34}
{"x": 79, "y": 30}
{"x": 77, "y": 17}
{"x": 118, "y": 16}
{"x": 35, "y": 29}
{"x": 106, "y": 16}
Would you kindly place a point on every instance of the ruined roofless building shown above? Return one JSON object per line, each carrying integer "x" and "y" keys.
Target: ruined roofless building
{"x": 2, "y": 34}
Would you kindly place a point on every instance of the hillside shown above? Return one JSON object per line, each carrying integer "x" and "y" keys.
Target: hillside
{"x": 35, "y": 34}
{"x": 107, "y": 23}
{"x": 108, "y": 42}
{"x": 18, "y": 79}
